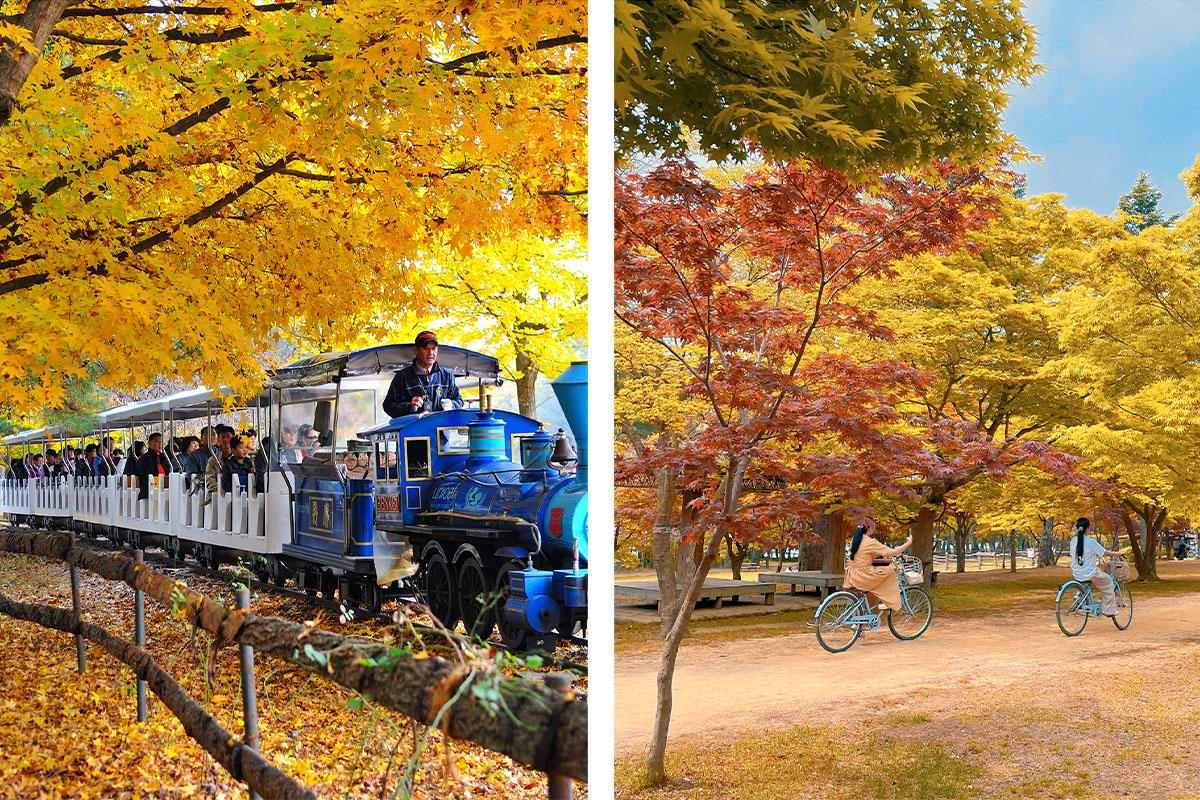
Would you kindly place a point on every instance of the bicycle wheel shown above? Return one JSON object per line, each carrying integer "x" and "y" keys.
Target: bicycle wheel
{"x": 1072, "y": 618}
{"x": 833, "y": 632}
{"x": 909, "y": 623}
{"x": 1124, "y": 607}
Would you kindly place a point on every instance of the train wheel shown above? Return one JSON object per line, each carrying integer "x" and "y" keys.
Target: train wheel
{"x": 514, "y": 636}
{"x": 372, "y": 596}
{"x": 476, "y": 598}
{"x": 329, "y": 584}
{"x": 439, "y": 589}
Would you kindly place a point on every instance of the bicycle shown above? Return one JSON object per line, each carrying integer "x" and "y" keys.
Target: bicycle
{"x": 844, "y": 615}
{"x": 1077, "y": 601}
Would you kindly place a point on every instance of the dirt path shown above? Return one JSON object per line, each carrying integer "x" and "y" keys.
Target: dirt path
{"x": 758, "y": 684}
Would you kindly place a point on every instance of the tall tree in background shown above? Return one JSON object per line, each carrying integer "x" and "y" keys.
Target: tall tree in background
{"x": 1131, "y": 337}
{"x": 740, "y": 283}
{"x": 1140, "y": 204}
{"x": 179, "y": 183}
{"x": 853, "y": 86}
{"x": 980, "y": 323}
{"x": 524, "y": 300}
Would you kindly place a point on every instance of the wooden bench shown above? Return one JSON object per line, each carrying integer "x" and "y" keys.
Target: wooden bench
{"x": 820, "y": 581}
{"x": 713, "y": 589}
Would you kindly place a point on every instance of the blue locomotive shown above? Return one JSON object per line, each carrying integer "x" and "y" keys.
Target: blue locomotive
{"x": 494, "y": 524}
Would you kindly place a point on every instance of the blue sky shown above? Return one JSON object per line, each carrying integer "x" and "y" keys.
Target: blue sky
{"x": 1120, "y": 94}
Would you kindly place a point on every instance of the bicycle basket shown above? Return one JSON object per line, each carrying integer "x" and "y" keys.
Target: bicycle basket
{"x": 910, "y": 570}
{"x": 1119, "y": 569}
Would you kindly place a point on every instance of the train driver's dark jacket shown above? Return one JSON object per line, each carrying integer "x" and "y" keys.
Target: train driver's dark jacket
{"x": 146, "y": 467}
{"x": 411, "y": 381}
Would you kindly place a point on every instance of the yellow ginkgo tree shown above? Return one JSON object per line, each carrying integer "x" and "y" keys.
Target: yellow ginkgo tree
{"x": 182, "y": 184}
{"x": 1131, "y": 337}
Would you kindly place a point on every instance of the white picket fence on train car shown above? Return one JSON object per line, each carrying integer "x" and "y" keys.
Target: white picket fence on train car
{"x": 242, "y": 518}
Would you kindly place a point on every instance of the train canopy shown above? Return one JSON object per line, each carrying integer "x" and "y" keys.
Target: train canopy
{"x": 330, "y": 367}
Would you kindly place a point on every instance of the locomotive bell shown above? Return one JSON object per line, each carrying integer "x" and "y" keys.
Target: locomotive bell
{"x": 563, "y": 451}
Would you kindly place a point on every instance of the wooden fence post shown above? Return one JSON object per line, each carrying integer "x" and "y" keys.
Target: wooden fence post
{"x": 80, "y": 654}
{"x": 139, "y": 634}
{"x": 559, "y": 786}
{"x": 249, "y": 695}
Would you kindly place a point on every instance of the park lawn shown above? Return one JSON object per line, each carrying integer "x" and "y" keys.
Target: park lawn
{"x": 1064, "y": 740}
{"x": 826, "y": 762}
{"x": 970, "y": 594}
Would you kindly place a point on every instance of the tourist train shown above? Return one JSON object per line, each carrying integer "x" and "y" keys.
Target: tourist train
{"x": 479, "y": 513}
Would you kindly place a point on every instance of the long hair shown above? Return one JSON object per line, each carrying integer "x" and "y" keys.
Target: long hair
{"x": 1081, "y": 525}
{"x": 859, "y": 532}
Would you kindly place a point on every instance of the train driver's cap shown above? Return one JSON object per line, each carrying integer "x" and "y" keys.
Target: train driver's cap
{"x": 426, "y": 338}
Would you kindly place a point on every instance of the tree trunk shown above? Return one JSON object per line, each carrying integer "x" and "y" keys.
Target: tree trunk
{"x": 1047, "y": 557}
{"x": 1144, "y": 538}
{"x": 963, "y": 525}
{"x": 1012, "y": 551}
{"x": 526, "y": 385}
{"x": 831, "y": 528}
{"x": 655, "y": 768}
{"x": 16, "y": 63}
{"x": 737, "y": 555}
{"x": 922, "y": 533}
{"x": 661, "y": 546}
{"x": 655, "y": 764}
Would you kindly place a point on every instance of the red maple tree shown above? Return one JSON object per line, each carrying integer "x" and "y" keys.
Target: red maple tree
{"x": 745, "y": 286}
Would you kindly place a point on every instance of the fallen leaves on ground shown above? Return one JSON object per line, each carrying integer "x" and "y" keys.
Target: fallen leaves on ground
{"x": 63, "y": 734}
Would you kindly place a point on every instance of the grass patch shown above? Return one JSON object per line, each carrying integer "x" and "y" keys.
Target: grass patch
{"x": 1052, "y": 786}
{"x": 806, "y": 762}
{"x": 909, "y": 719}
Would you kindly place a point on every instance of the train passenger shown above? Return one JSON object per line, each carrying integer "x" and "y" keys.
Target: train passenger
{"x": 423, "y": 385}
{"x": 153, "y": 463}
{"x": 241, "y": 464}
{"x": 83, "y": 464}
{"x": 55, "y": 466}
{"x": 288, "y": 451}
{"x": 187, "y": 446}
{"x": 310, "y": 440}
{"x": 198, "y": 458}
{"x": 869, "y": 570}
{"x": 37, "y": 467}
{"x": 212, "y": 471}
{"x": 105, "y": 462}
{"x": 20, "y": 468}
{"x": 105, "y": 456}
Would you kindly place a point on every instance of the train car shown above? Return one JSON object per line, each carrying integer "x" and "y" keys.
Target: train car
{"x": 467, "y": 510}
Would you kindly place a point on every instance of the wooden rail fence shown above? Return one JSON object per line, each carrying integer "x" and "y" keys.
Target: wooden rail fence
{"x": 546, "y": 728}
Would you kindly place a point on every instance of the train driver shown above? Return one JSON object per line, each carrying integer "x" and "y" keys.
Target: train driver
{"x": 423, "y": 385}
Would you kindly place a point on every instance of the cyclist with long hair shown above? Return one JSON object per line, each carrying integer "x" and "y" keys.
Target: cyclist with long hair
{"x": 1084, "y": 552}
{"x": 865, "y": 573}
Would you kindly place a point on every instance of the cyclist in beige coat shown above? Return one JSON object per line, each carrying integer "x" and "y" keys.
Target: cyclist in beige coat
{"x": 865, "y": 573}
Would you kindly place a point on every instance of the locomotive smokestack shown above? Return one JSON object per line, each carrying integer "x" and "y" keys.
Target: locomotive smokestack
{"x": 571, "y": 389}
